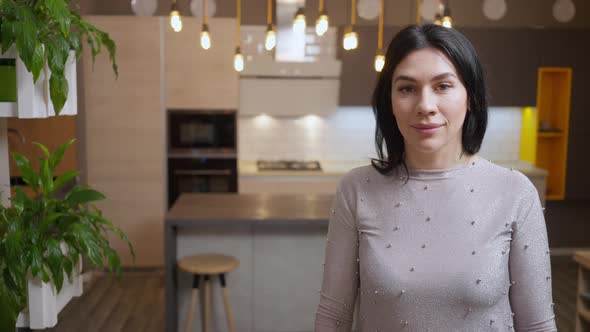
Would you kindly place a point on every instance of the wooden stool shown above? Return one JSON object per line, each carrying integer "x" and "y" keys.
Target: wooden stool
{"x": 207, "y": 265}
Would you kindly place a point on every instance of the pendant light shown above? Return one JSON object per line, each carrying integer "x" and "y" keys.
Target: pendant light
{"x": 380, "y": 57}
{"x": 447, "y": 20}
{"x": 350, "y": 40}
{"x": 238, "y": 57}
{"x": 322, "y": 24}
{"x": 437, "y": 19}
{"x": 271, "y": 35}
{"x": 299, "y": 23}
{"x": 205, "y": 37}
{"x": 175, "y": 19}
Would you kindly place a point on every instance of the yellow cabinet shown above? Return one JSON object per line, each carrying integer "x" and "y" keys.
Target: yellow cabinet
{"x": 553, "y": 106}
{"x": 544, "y": 135}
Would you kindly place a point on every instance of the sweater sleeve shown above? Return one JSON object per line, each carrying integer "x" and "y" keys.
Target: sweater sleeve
{"x": 340, "y": 280}
{"x": 530, "y": 269}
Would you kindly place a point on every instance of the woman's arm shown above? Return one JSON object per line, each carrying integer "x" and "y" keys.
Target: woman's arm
{"x": 340, "y": 281}
{"x": 530, "y": 269}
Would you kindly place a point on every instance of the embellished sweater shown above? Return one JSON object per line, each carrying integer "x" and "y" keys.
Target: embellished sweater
{"x": 458, "y": 249}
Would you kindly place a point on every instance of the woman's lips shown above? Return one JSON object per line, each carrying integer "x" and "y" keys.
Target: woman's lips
{"x": 426, "y": 129}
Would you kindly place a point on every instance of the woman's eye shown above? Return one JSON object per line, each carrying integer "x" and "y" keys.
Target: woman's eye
{"x": 406, "y": 89}
{"x": 444, "y": 86}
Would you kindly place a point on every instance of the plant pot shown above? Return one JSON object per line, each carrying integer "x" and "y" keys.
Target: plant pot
{"x": 45, "y": 302}
{"x": 33, "y": 98}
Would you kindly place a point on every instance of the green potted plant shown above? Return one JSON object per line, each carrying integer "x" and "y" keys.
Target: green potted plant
{"x": 45, "y": 33}
{"x": 43, "y": 237}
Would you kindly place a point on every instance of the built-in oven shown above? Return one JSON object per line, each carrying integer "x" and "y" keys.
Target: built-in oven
{"x": 202, "y": 153}
{"x": 201, "y": 175}
{"x": 202, "y": 130}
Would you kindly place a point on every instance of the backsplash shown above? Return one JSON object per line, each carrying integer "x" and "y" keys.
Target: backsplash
{"x": 348, "y": 135}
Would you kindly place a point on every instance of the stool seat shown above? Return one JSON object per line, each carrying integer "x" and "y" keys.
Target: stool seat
{"x": 208, "y": 264}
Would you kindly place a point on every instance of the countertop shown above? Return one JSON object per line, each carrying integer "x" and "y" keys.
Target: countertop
{"x": 196, "y": 207}
{"x": 247, "y": 168}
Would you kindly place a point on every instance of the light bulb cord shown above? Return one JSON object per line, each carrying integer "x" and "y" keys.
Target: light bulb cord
{"x": 380, "y": 33}
{"x": 269, "y": 12}
{"x": 353, "y": 13}
{"x": 239, "y": 10}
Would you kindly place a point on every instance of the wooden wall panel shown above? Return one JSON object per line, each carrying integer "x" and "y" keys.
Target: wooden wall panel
{"x": 125, "y": 134}
{"x": 197, "y": 78}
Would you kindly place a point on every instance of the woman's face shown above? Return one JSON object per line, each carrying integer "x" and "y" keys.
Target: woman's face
{"x": 429, "y": 102}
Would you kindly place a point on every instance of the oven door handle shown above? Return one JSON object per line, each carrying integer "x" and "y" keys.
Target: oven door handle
{"x": 205, "y": 172}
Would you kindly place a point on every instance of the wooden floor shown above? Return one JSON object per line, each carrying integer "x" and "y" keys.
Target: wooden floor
{"x": 137, "y": 303}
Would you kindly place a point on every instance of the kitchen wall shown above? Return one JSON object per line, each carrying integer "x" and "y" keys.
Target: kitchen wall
{"x": 348, "y": 135}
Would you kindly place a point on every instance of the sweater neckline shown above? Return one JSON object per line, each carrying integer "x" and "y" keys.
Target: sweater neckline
{"x": 441, "y": 173}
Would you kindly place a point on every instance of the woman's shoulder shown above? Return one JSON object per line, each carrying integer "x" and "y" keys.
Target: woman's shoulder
{"x": 509, "y": 178}
{"x": 357, "y": 178}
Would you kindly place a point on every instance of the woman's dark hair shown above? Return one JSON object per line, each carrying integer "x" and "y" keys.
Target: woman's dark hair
{"x": 463, "y": 56}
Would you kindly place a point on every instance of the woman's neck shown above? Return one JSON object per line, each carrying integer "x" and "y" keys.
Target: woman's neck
{"x": 421, "y": 160}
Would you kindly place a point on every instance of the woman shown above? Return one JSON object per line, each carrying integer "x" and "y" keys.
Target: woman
{"x": 431, "y": 237}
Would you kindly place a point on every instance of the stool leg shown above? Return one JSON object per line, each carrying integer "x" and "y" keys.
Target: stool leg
{"x": 230, "y": 322}
{"x": 207, "y": 303}
{"x": 194, "y": 300}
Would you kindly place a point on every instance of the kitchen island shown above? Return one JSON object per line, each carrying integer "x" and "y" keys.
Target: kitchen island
{"x": 279, "y": 241}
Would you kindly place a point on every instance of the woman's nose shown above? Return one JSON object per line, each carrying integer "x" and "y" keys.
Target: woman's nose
{"x": 426, "y": 103}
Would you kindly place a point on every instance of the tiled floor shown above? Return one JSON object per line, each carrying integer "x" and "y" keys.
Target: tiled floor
{"x": 137, "y": 303}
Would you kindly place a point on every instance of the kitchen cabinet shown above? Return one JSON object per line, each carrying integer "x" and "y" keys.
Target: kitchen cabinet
{"x": 288, "y": 97}
{"x": 124, "y": 121}
{"x": 562, "y": 48}
{"x": 553, "y": 106}
{"x": 198, "y": 78}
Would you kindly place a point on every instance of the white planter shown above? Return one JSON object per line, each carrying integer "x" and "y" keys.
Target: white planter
{"x": 33, "y": 99}
{"x": 45, "y": 302}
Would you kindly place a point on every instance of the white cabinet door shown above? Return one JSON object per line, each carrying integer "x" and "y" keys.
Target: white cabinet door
{"x": 288, "y": 97}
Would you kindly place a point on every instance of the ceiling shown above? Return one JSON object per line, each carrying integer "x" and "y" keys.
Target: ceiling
{"x": 467, "y": 13}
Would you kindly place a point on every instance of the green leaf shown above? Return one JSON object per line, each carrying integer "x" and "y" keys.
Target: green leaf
{"x": 55, "y": 263}
{"x": 23, "y": 164}
{"x": 44, "y": 148}
{"x": 46, "y": 177}
{"x": 20, "y": 200}
{"x": 36, "y": 261}
{"x": 58, "y": 89}
{"x": 25, "y": 31}
{"x": 112, "y": 49}
{"x": 57, "y": 55}
{"x": 78, "y": 197}
{"x": 37, "y": 61}
{"x": 8, "y": 313}
{"x": 64, "y": 179}
{"x": 59, "y": 12}
{"x": 59, "y": 153}
{"x": 7, "y": 35}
